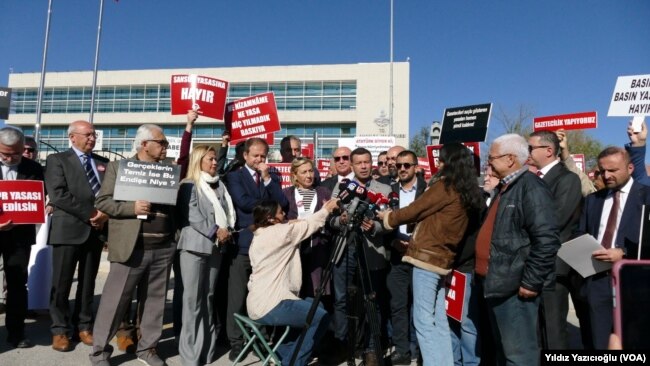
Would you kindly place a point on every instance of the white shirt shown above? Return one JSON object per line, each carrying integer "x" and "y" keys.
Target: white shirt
{"x": 341, "y": 177}
{"x": 545, "y": 169}
{"x": 607, "y": 207}
{"x": 253, "y": 172}
{"x": 9, "y": 172}
{"x": 405, "y": 199}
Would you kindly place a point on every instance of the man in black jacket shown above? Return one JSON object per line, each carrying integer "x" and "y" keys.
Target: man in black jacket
{"x": 409, "y": 187}
{"x": 515, "y": 251}
{"x": 565, "y": 186}
{"x": 16, "y": 240}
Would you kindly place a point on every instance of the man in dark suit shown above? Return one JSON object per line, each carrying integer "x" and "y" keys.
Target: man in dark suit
{"x": 544, "y": 148}
{"x": 409, "y": 187}
{"x": 613, "y": 217}
{"x": 342, "y": 166}
{"x": 73, "y": 179}
{"x": 247, "y": 187}
{"x": 16, "y": 240}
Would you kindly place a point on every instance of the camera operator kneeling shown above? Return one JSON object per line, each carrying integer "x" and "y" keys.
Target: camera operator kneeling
{"x": 277, "y": 276}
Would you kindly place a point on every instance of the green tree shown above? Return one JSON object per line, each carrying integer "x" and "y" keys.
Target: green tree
{"x": 419, "y": 142}
{"x": 580, "y": 142}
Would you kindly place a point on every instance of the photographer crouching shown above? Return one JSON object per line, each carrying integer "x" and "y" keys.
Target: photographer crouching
{"x": 276, "y": 279}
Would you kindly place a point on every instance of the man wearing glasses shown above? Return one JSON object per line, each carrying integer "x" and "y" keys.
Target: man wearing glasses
{"x": 516, "y": 248}
{"x": 391, "y": 160}
{"x": 382, "y": 163}
{"x": 16, "y": 240}
{"x": 342, "y": 166}
{"x": 77, "y": 234}
{"x": 141, "y": 252}
{"x": 544, "y": 148}
{"x": 409, "y": 187}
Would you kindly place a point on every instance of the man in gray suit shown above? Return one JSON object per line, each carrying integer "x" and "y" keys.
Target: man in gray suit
{"x": 73, "y": 179}
{"x": 141, "y": 252}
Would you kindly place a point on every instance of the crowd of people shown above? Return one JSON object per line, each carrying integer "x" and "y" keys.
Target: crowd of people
{"x": 274, "y": 245}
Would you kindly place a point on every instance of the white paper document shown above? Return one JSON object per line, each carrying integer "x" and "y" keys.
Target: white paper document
{"x": 577, "y": 254}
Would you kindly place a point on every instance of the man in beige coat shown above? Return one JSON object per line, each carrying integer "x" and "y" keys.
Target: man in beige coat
{"x": 141, "y": 252}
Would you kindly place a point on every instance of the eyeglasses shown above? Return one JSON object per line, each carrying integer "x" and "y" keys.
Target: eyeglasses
{"x": 163, "y": 143}
{"x": 86, "y": 135}
{"x": 344, "y": 157}
{"x": 492, "y": 158}
{"x": 381, "y": 163}
{"x": 30, "y": 149}
{"x": 406, "y": 166}
{"x": 531, "y": 147}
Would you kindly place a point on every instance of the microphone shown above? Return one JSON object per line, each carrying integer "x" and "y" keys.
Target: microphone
{"x": 351, "y": 189}
{"x": 393, "y": 200}
{"x": 377, "y": 200}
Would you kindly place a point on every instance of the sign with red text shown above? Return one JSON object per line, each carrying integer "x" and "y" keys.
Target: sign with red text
{"x": 580, "y": 161}
{"x": 268, "y": 137}
{"x": 423, "y": 163}
{"x": 203, "y": 94}
{"x": 283, "y": 171}
{"x": 631, "y": 96}
{"x": 323, "y": 166}
{"x": 374, "y": 144}
{"x": 573, "y": 121}
{"x": 248, "y": 117}
{"x": 22, "y": 201}
{"x": 455, "y": 299}
{"x": 433, "y": 153}
{"x": 465, "y": 124}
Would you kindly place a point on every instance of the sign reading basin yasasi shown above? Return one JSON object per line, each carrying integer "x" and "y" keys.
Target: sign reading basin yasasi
{"x": 465, "y": 124}
{"x": 141, "y": 180}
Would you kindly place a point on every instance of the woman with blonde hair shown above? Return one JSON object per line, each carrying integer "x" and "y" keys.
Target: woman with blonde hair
{"x": 304, "y": 200}
{"x": 207, "y": 217}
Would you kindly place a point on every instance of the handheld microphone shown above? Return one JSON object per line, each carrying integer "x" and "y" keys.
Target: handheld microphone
{"x": 377, "y": 200}
{"x": 393, "y": 200}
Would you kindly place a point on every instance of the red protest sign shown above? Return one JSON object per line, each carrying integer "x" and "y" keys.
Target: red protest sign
{"x": 282, "y": 170}
{"x": 268, "y": 137}
{"x": 423, "y": 163}
{"x": 204, "y": 94}
{"x": 248, "y": 117}
{"x": 323, "y": 166}
{"x": 574, "y": 121}
{"x": 22, "y": 201}
{"x": 455, "y": 299}
{"x": 307, "y": 150}
{"x": 433, "y": 152}
{"x": 580, "y": 161}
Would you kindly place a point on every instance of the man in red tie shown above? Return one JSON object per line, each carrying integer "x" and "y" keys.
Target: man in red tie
{"x": 544, "y": 148}
{"x": 612, "y": 216}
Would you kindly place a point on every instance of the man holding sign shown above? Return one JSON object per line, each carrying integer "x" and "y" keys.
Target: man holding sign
{"x": 16, "y": 239}
{"x": 141, "y": 251}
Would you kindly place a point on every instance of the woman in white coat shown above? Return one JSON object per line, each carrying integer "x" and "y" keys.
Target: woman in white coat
{"x": 207, "y": 216}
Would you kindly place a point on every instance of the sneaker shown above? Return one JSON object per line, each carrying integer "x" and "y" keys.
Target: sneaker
{"x": 150, "y": 358}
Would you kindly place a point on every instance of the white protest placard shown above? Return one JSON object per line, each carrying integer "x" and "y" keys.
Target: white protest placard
{"x": 153, "y": 182}
{"x": 374, "y": 144}
{"x": 631, "y": 96}
{"x": 174, "y": 149}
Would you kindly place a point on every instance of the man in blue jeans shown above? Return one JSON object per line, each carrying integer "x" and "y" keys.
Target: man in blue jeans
{"x": 515, "y": 251}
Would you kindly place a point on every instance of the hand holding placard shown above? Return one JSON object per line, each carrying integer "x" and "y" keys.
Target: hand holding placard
{"x": 637, "y": 132}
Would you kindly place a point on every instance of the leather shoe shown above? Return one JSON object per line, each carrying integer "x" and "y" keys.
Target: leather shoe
{"x": 86, "y": 337}
{"x": 20, "y": 342}
{"x": 61, "y": 343}
{"x": 400, "y": 359}
{"x": 126, "y": 344}
{"x": 235, "y": 350}
{"x": 370, "y": 359}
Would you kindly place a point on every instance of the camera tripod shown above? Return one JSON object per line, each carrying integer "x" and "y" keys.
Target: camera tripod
{"x": 350, "y": 237}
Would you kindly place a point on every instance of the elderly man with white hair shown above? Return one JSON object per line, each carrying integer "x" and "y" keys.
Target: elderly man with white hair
{"x": 141, "y": 253}
{"x": 515, "y": 251}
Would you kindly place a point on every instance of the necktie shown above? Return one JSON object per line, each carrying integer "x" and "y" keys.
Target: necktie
{"x": 257, "y": 178}
{"x": 610, "y": 229}
{"x": 540, "y": 174}
{"x": 91, "y": 176}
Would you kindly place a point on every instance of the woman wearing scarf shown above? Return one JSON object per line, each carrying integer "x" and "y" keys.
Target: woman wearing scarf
{"x": 207, "y": 214}
{"x": 304, "y": 201}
